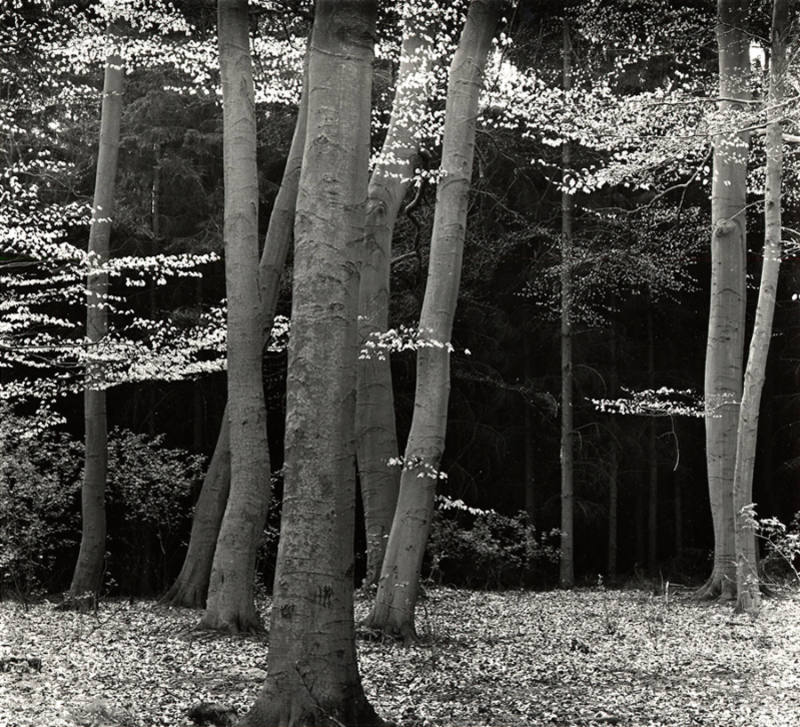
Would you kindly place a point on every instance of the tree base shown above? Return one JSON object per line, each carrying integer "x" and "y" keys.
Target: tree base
{"x": 376, "y": 629}
{"x": 185, "y": 595}
{"x": 85, "y": 603}
{"x": 718, "y": 587}
{"x": 297, "y": 708}
{"x": 232, "y": 623}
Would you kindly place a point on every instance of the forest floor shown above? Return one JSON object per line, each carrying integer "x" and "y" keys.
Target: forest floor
{"x": 504, "y": 659}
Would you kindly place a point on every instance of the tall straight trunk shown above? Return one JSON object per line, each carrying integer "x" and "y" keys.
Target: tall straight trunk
{"x": 376, "y": 434}
{"x": 230, "y": 603}
{"x": 191, "y": 585}
{"x": 747, "y": 582}
{"x": 725, "y": 346}
{"x": 679, "y": 475}
{"x": 395, "y": 601}
{"x": 312, "y": 673}
{"x": 652, "y": 458}
{"x": 613, "y": 468}
{"x": 88, "y": 575}
{"x": 566, "y": 576}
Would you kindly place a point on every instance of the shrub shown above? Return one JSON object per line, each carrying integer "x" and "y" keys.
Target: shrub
{"x": 482, "y": 548}
{"x": 39, "y": 479}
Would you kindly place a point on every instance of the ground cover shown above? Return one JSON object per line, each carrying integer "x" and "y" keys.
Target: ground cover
{"x": 582, "y": 657}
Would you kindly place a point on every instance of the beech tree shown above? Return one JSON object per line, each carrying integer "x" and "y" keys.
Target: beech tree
{"x": 395, "y": 601}
{"x": 88, "y": 575}
{"x": 376, "y": 435}
{"x": 312, "y": 673}
{"x": 726, "y": 324}
{"x": 191, "y": 586}
{"x": 747, "y": 579}
{"x": 567, "y": 555}
{"x": 230, "y": 603}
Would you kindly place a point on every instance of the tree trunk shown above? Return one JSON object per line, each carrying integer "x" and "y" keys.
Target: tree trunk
{"x": 393, "y": 610}
{"x": 566, "y": 577}
{"x": 230, "y": 605}
{"x": 376, "y": 435}
{"x": 312, "y": 673}
{"x": 613, "y": 467}
{"x": 652, "y": 458}
{"x": 191, "y": 586}
{"x": 528, "y": 433}
{"x": 88, "y": 576}
{"x": 747, "y": 582}
{"x": 724, "y": 350}
{"x": 679, "y": 476}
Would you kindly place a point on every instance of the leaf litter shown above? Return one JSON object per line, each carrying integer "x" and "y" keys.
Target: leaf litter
{"x": 515, "y": 658}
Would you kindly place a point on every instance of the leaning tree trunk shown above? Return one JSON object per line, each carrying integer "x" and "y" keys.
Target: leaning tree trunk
{"x": 725, "y": 346}
{"x": 312, "y": 672}
{"x": 566, "y": 577}
{"x": 393, "y": 610}
{"x": 191, "y": 585}
{"x": 376, "y": 435}
{"x": 88, "y": 576}
{"x": 230, "y": 603}
{"x": 747, "y": 582}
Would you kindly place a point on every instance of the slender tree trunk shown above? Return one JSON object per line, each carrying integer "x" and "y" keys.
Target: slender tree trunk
{"x": 678, "y": 511}
{"x": 747, "y": 582}
{"x": 613, "y": 468}
{"x": 312, "y": 673}
{"x": 88, "y": 575}
{"x": 566, "y": 576}
{"x": 528, "y": 432}
{"x": 376, "y": 435}
{"x": 191, "y": 586}
{"x": 652, "y": 459}
{"x": 724, "y": 350}
{"x": 393, "y": 610}
{"x": 230, "y": 603}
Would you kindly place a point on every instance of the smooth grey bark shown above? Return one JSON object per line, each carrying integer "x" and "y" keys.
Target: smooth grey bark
{"x": 393, "y": 610}
{"x": 230, "y": 605}
{"x": 87, "y": 578}
{"x": 747, "y": 580}
{"x": 725, "y": 346}
{"x": 191, "y": 586}
{"x": 566, "y": 574}
{"x": 376, "y": 434}
{"x": 312, "y": 672}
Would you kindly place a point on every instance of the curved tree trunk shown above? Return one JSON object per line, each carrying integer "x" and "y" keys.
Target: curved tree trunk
{"x": 230, "y": 603}
{"x": 87, "y": 578}
{"x": 393, "y": 610}
{"x": 747, "y": 581}
{"x": 312, "y": 673}
{"x": 376, "y": 435}
{"x": 566, "y": 576}
{"x": 724, "y": 350}
{"x": 191, "y": 586}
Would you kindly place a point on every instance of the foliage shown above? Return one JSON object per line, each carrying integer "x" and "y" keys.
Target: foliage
{"x": 149, "y": 485}
{"x": 782, "y": 549}
{"x": 149, "y": 481}
{"x": 39, "y": 477}
{"x": 512, "y": 659}
{"x": 482, "y": 548}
